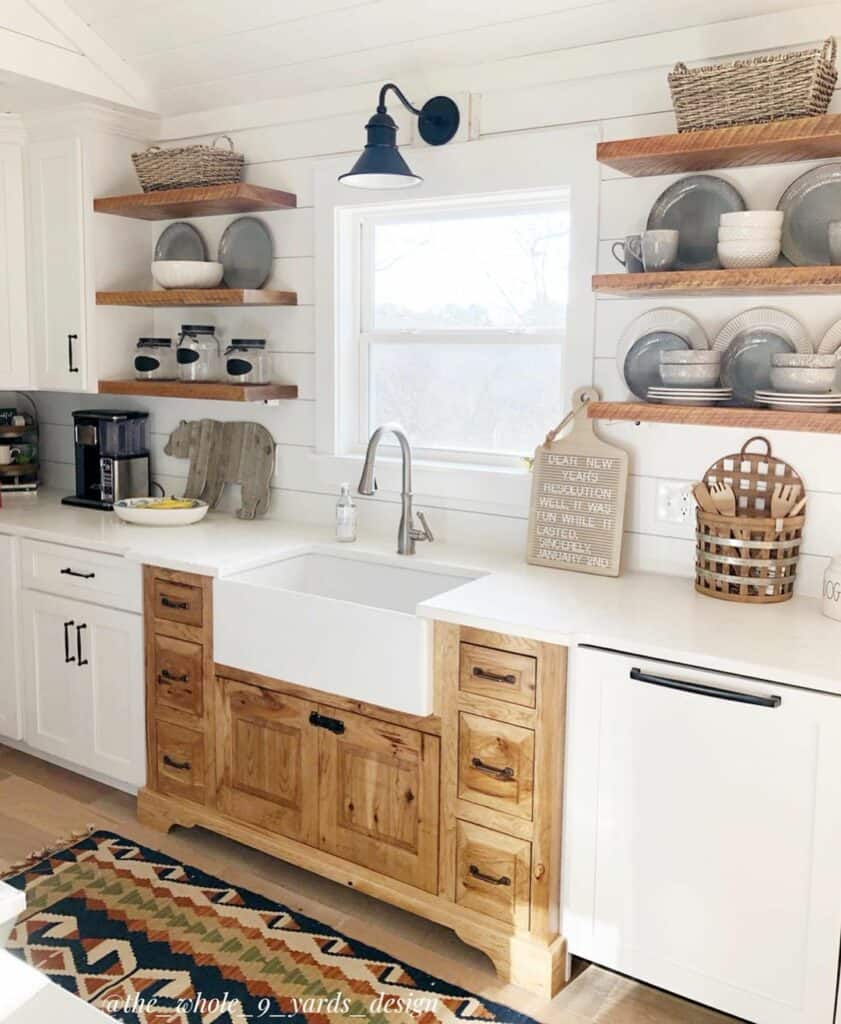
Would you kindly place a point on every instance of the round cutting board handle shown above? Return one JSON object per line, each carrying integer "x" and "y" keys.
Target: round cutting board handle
{"x": 580, "y": 398}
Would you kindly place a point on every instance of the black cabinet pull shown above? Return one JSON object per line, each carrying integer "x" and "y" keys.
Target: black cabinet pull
{"x": 500, "y": 773}
{"x": 79, "y": 575}
{"x": 82, "y": 661}
{"x": 167, "y": 677}
{"x": 182, "y": 606}
{"x": 179, "y": 766}
{"x": 323, "y": 722}
{"x": 494, "y": 677}
{"x": 501, "y": 880}
{"x": 704, "y": 690}
{"x": 70, "y": 339}
{"x": 68, "y": 657}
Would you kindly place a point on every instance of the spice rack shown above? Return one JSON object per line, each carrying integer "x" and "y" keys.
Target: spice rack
{"x": 21, "y": 476}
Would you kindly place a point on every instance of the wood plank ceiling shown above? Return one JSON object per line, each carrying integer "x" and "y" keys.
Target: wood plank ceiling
{"x": 203, "y": 54}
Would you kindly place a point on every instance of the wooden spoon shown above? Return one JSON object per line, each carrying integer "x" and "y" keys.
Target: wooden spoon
{"x": 704, "y": 498}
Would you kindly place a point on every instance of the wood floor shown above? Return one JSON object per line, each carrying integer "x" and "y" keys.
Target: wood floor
{"x": 40, "y": 803}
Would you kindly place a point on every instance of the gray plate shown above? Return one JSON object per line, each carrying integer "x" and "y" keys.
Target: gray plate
{"x": 246, "y": 252}
{"x": 642, "y": 363}
{"x": 809, "y": 204}
{"x": 746, "y": 365}
{"x": 180, "y": 241}
{"x": 693, "y": 206}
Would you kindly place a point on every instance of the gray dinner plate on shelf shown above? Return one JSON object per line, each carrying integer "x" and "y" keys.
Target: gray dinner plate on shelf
{"x": 642, "y": 363}
{"x": 246, "y": 251}
{"x": 693, "y": 206}
{"x": 809, "y": 204}
{"x": 746, "y": 364}
{"x": 180, "y": 241}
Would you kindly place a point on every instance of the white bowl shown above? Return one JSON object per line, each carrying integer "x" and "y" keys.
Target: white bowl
{"x": 748, "y": 233}
{"x": 689, "y": 357}
{"x": 745, "y": 255}
{"x": 688, "y": 375}
{"x": 802, "y": 380}
{"x": 804, "y": 360}
{"x": 187, "y": 273}
{"x": 753, "y": 218}
{"x": 134, "y": 510}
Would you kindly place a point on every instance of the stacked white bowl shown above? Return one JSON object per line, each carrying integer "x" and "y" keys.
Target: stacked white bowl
{"x": 749, "y": 238}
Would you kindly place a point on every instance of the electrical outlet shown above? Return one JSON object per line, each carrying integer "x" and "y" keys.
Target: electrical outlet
{"x": 675, "y": 502}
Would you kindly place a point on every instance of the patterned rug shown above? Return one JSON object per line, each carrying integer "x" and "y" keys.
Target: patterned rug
{"x": 152, "y": 941}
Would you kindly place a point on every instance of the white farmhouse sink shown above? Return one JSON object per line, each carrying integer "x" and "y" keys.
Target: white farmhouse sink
{"x": 342, "y": 624}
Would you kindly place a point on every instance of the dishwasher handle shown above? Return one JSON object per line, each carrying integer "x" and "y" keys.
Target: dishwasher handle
{"x": 704, "y": 690}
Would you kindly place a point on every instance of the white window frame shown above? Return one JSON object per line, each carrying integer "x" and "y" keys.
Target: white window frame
{"x": 489, "y": 169}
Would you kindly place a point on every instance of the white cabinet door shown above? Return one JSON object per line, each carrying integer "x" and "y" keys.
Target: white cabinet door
{"x": 84, "y": 685}
{"x": 14, "y": 343}
{"x": 11, "y": 713}
{"x": 706, "y": 857}
{"x": 56, "y": 692}
{"x": 57, "y": 260}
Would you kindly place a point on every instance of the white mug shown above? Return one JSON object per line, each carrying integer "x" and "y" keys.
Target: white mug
{"x": 7, "y": 454}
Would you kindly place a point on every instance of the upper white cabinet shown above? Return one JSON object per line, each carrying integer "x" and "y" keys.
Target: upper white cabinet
{"x": 14, "y": 342}
{"x": 703, "y": 835}
{"x": 10, "y": 684}
{"x": 57, "y": 260}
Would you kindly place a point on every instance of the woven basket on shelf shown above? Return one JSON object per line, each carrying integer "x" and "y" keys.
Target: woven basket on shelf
{"x": 750, "y": 557}
{"x": 772, "y": 88}
{"x": 188, "y": 166}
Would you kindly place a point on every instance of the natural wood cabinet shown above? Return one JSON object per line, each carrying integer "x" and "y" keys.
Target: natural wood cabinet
{"x": 268, "y": 760}
{"x": 496, "y": 764}
{"x": 378, "y": 796}
{"x": 493, "y": 873}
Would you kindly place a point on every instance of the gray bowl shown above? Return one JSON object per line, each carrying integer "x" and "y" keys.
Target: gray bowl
{"x": 802, "y": 380}
{"x": 690, "y": 356}
{"x": 804, "y": 360}
{"x": 702, "y": 375}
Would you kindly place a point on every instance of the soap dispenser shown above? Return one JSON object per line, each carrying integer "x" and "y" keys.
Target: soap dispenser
{"x": 345, "y": 516}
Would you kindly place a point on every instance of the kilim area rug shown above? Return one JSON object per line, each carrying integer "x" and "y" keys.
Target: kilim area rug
{"x": 152, "y": 941}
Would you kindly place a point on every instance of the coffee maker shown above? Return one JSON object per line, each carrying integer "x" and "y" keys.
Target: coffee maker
{"x": 112, "y": 457}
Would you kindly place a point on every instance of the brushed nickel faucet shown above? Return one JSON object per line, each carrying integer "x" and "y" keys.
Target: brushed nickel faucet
{"x": 407, "y": 533}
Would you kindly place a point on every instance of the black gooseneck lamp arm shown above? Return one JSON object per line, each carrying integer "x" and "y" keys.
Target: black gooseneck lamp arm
{"x": 400, "y": 95}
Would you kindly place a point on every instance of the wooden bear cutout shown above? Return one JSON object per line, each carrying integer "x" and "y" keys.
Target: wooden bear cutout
{"x": 226, "y": 453}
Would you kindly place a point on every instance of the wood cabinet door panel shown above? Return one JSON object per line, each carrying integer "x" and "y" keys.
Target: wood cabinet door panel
{"x": 378, "y": 796}
{"x": 179, "y": 762}
{"x": 178, "y": 602}
{"x": 268, "y": 760}
{"x": 500, "y": 675}
{"x": 493, "y": 873}
{"x": 178, "y": 668}
{"x": 496, "y": 765}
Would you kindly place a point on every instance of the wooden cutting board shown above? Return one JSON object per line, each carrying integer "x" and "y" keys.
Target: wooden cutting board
{"x": 578, "y": 498}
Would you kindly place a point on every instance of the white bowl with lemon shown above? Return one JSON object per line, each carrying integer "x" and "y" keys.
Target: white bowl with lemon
{"x": 161, "y": 511}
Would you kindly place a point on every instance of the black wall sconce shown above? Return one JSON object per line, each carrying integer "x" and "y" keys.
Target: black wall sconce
{"x": 381, "y": 165}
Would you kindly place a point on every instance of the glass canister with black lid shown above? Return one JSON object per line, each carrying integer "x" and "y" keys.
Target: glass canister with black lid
{"x": 247, "y": 361}
{"x": 155, "y": 359}
{"x": 199, "y": 354}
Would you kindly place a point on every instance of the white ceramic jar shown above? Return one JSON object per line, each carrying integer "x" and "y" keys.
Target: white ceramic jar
{"x": 832, "y": 589}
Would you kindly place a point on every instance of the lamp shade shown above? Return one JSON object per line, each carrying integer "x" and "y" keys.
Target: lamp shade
{"x": 381, "y": 165}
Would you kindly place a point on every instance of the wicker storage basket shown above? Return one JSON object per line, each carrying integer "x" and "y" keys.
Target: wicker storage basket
{"x": 750, "y": 557}
{"x": 772, "y": 88}
{"x": 188, "y": 166}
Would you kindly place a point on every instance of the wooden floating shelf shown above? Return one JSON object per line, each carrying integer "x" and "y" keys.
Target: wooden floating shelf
{"x": 214, "y": 392}
{"x": 207, "y": 201}
{"x": 19, "y": 469}
{"x": 717, "y": 416}
{"x": 173, "y": 297}
{"x": 805, "y": 138}
{"x": 766, "y": 280}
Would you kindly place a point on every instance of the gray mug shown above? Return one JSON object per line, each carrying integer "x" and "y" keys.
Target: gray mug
{"x": 659, "y": 249}
{"x": 631, "y": 258}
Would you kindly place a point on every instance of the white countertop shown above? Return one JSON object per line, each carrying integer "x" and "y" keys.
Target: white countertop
{"x": 659, "y": 616}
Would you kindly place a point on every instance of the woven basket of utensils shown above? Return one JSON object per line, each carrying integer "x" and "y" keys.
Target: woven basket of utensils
{"x": 188, "y": 166}
{"x": 750, "y": 557}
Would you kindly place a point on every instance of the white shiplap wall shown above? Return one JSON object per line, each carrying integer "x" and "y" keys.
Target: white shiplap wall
{"x": 282, "y": 142}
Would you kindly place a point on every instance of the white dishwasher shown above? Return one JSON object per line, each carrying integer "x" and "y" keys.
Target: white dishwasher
{"x": 702, "y": 834}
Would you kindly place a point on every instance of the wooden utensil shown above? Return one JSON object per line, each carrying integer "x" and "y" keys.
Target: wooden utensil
{"x": 724, "y": 499}
{"x": 798, "y": 508}
{"x": 783, "y": 499}
{"x": 704, "y": 498}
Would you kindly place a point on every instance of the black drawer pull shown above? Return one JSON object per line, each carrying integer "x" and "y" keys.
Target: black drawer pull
{"x": 68, "y": 657}
{"x": 181, "y": 606}
{"x": 500, "y": 773}
{"x": 167, "y": 677}
{"x": 476, "y": 873}
{"x": 335, "y": 725}
{"x": 703, "y": 690}
{"x": 179, "y": 766}
{"x": 70, "y": 366}
{"x": 494, "y": 677}
{"x": 78, "y": 575}
{"x": 82, "y": 661}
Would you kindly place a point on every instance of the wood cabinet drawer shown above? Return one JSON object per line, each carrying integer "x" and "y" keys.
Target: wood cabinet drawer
{"x": 178, "y": 675}
{"x": 502, "y": 675}
{"x": 177, "y": 602}
{"x": 179, "y": 761}
{"x": 493, "y": 873}
{"x": 76, "y": 572}
{"x": 496, "y": 765}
